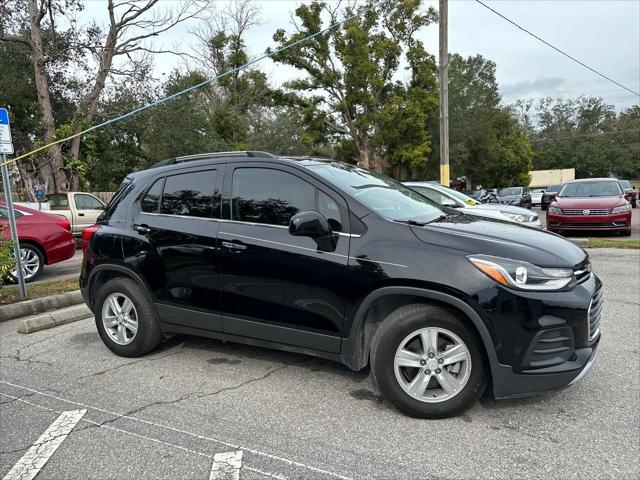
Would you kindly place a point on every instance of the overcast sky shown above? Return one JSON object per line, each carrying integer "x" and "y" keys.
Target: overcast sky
{"x": 603, "y": 34}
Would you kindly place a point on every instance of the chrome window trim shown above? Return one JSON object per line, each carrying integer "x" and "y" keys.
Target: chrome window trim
{"x": 171, "y": 215}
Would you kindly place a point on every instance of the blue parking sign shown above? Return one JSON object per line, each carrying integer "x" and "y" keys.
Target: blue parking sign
{"x": 4, "y": 116}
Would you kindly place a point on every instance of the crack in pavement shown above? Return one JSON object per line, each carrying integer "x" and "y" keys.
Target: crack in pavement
{"x": 180, "y": 349}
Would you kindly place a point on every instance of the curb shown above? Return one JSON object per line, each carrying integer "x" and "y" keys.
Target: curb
{"x": 581, "y": 242}
{"x": 54, "y": 319}
{"x": 39, "y": 305}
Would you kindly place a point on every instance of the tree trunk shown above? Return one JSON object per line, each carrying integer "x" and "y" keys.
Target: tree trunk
{"x": 53, "y": 171}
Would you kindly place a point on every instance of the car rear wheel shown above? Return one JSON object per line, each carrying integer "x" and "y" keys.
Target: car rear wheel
{"x": 32, "y": 261}
{"x": 427, "y": 362}
{"x": 126, "y": 319}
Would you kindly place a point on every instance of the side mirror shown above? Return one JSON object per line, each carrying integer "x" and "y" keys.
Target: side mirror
{"x": 313, "y": 225}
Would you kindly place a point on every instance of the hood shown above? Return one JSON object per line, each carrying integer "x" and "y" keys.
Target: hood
{"x": 473, "y": 234}
{"x": 589, "y": 202}
{"x": 507, "y": 208}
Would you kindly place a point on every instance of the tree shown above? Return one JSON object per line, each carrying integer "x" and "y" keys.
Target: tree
{"x": 586, "y": 134}
{"x": 351, "y": 79}
{"x": 35, "y": 24}
{"x": 487, "y": 144}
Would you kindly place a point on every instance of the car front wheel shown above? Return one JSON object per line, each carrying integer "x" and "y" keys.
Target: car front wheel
{"x": 427, "y": 362}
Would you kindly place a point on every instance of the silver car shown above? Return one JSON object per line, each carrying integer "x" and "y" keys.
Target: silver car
{"x": 449, "y": 197}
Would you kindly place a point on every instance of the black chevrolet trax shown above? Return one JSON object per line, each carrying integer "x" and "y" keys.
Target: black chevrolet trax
{"x": 333, "y": 260}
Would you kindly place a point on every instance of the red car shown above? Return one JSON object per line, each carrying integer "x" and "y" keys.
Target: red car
{"x": 44, "y": 238}
{"x": 590, "y": 204}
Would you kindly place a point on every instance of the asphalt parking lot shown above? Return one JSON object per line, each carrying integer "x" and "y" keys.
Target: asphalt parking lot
{"x": 172, "y": 413}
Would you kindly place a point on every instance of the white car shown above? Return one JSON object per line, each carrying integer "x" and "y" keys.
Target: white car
{"x": 536, "y": 196}
{"x": 449, "y": 197}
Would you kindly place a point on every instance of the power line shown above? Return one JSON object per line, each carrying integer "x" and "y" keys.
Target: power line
{"x": 584, "y": 135}
{"x": 557, "y": 49}
{"x": 205, "y": 82}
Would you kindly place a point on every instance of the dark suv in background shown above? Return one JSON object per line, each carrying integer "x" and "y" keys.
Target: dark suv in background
{"x": 518, "y": 196}
{"x": 333, "y": 260}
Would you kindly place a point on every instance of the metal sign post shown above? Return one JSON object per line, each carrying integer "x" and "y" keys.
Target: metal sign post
{"x": 6, "y": 146}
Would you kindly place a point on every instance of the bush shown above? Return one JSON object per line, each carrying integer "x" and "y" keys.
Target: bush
{"x": 7, "y": 261}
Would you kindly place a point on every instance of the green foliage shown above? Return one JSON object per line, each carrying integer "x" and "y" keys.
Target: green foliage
{"x": 7, "y": 260}
{"x": 350, "y": 78}
{"x": 587, "y": 134}
{"x": 487, "y": 144}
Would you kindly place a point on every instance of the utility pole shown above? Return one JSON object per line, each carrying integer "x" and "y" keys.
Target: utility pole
{"x": 444, "y": 94}
{"x": 13, "y": 228}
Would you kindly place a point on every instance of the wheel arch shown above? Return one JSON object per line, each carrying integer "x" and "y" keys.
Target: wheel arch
{"x": 101, "y": 274}
{"x": 380, "y": 303}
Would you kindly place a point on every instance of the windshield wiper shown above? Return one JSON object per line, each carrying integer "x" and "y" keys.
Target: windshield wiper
{"x": 411, "y": 222}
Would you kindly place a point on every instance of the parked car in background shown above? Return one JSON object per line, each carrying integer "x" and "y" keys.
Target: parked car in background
{"x": 44, "y": 239}
{"x": 630, "y": 192}
{"x": 448, "y": 197}
{"x": 478, "y": 194}
{"x": 536, "y": 196}
{"x": 340, "y": 262}
{"x": 80, "y": 208}
{"x": 519, "y": 196}
{"x": 590, "y": 204}
{"x": 549, "y": 195}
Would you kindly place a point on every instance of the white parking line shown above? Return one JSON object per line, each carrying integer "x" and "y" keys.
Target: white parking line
{"x": 226, "y": 466}
{"x": 40, "y": 452}
{"x": 185, "y": 432}
{"x": 145, "y": 437}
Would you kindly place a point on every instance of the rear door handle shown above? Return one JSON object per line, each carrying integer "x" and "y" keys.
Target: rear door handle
{"x": 81, "y": 214}
{"x": 234, "y": 246}
{"x": 142, "y": 229}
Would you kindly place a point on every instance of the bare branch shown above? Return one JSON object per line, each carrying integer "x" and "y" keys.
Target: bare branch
{"x": 7, "y": 37}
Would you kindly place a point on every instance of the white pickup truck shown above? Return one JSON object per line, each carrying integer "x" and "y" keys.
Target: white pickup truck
{"x": 80, "y": 208}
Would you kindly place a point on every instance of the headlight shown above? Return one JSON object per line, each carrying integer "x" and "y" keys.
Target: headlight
{"x": 515, "y": 216}
{"x": 522, "y": 275}
{"x": 622, "y": 208}
{"x": 555, "y": 210}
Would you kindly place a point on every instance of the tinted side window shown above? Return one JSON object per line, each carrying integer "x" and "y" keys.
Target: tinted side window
{"x": 272, "y": 197}
{"x": 58, "y": 201}
{"x": 151, "y": 200}
{"x": 190, "y": 194}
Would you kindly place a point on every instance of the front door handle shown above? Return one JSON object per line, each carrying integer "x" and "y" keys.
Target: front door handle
{"x": 81, "y": 214}
{"x": 234, "y": 246}
{"x": 142, "y": 229}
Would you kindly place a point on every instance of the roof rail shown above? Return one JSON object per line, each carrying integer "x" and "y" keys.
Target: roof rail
{"x": 204, "y": 156}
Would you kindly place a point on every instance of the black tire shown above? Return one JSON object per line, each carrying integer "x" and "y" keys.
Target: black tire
{"x": 40, "y": 255}
{"x": 395, "y": 328}
{"x": 148, "y": 336}
{"x": 626, "y": 233}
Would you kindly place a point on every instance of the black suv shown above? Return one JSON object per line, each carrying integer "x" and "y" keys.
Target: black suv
{"x": 333, "y": 260}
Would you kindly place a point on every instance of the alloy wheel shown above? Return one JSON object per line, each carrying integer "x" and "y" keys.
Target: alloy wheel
{"x": 30, "y": 264}
{"x": 432, "y": 365}
{"x": 120, "y": 318}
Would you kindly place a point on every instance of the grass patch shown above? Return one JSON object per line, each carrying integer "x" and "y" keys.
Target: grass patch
{"x": 606, "y": 243}
{"x": 11, "y": 294}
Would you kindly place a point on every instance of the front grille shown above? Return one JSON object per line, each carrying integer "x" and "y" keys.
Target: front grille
{"x": 586, "y": 211}
{"x": 548, "y": 348}
{"x": 595, "y": 313}
{"x": 586, "y": 226}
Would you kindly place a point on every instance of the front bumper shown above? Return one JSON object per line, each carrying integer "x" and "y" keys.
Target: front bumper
{"x": 619, "y": 221}
{"x": 543, "y": 340}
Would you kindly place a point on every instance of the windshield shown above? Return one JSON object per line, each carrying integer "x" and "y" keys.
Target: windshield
{"x": 510, "y": 191}
{"x": 625, "y": 183}
{"x": 603, "y": 188}
{"x": 380, "y": 193}
{"x": 460, "y": 196}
